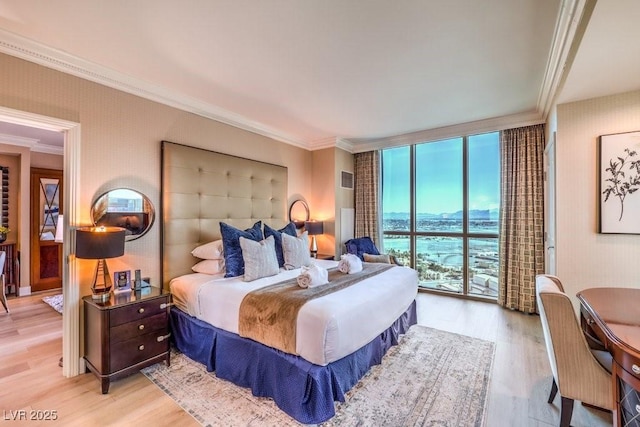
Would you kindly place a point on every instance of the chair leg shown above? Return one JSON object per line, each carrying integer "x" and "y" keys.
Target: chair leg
{"x": 554, "y": 391}
{"x": 3, "y": 297}
{"x": 566, "y": 412}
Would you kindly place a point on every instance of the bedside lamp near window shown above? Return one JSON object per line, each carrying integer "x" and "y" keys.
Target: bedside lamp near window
{"x": 100, "y": 243}
{"x": 314, "y": 228}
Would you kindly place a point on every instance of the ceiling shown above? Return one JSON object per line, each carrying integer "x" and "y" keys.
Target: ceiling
{"x": 318, "y": 73}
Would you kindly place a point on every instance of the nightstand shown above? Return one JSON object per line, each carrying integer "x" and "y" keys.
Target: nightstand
{"x": 126, "y": 333}
{"x": 325, "y": 256}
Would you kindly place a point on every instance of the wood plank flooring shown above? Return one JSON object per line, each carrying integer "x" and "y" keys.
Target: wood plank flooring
{"x": 30, "y": 378}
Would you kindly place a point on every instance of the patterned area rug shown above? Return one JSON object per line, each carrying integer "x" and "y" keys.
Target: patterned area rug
{"x": 55, "y": 301}
{"x": 432, "y": 378}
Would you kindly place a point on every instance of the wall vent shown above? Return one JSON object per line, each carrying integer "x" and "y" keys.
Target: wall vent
{"x": 346, "y": 180}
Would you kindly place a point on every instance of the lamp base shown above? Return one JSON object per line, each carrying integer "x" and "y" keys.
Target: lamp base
{"x": 102, "y": 296}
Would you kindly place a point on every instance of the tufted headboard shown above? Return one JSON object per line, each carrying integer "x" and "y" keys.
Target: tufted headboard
{"x": 201, "y": 188}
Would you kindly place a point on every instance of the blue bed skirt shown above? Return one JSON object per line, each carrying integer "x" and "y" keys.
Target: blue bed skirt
{"x": 301, "y": 389}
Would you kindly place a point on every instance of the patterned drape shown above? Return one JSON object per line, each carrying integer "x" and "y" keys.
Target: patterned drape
{"x": 367, "y": 167}
{"x": 521, "y": 216}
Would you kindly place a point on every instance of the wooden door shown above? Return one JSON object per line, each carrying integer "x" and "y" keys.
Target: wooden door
{"x": 46, "y": 206}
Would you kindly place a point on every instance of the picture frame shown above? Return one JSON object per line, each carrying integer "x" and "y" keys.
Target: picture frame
{"x": 618, "y": 183}
{"x": 122, "y": 281}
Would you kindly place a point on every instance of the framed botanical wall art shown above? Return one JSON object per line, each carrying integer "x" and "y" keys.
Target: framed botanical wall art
{"x": 619, "y": 183}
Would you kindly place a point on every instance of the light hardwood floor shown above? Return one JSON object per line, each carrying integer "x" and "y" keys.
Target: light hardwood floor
{"x": 30, "y": 379}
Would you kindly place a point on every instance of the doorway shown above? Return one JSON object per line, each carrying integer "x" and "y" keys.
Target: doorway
{"x": 46, "y": 208}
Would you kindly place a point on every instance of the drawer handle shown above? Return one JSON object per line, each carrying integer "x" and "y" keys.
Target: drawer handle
{"x": 165, "y": 305}
{"x": 638, "y": 409}
{"x": 163, "y": 337}
{"x": 590, "y": 321}
{"x": 141, "y": 327}
{"x": 141, "y": 310}
{"x": 141, "y": 347}
{"x": 636, "y": 369}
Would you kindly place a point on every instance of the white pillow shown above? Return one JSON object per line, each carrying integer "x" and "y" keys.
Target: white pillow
{"x": 211, "y": 250}
{"x": 296, "y": 251}
{"x": 209, "y": 266}
{"x": 259, "y": 258}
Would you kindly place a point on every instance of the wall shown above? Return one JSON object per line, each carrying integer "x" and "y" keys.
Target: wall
{"x": 121, "y": 136}
{"x": 584, "y": 257}
{"x": 328, "y": 197}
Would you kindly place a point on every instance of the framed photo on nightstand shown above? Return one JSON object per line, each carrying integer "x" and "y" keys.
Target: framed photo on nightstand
{"x": 122, "y": 281}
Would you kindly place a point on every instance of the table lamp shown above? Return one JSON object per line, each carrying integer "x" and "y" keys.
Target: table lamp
{"x": 100, "y": 243}
{"x": 314, "y": 228}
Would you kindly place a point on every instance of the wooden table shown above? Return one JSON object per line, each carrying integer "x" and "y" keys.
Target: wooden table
{"x": 612, "y": 315}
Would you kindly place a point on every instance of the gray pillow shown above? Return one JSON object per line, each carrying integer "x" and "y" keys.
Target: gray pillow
{"x": 295, "y": 251}
{"x": 259, "y": 258}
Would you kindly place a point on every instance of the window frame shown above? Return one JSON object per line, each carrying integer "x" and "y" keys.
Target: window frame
{"x": 465, "y": 234}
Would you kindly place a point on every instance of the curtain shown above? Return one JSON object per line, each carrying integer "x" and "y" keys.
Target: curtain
{"x": 521, "y": 216}
{"x": 366, "y": 176}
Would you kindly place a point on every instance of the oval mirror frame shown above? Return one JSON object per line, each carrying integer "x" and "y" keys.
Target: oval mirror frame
{"x": 299, "y": 213}
{"x": 126, "y": 208}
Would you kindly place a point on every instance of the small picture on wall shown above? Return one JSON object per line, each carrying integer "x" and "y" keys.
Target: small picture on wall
{"x": 122, "y": 280}
{"x": 619, "y": 182}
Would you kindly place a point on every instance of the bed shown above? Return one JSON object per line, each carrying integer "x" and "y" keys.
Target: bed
{"x": 334, "y": 346}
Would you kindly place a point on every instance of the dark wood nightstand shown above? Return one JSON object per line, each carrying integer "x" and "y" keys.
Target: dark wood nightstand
{"x": 325, "y": 256}
{"x": 126, "y": 333}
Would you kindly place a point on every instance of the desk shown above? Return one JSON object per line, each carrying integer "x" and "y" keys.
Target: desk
{"x": 612, "y": 315}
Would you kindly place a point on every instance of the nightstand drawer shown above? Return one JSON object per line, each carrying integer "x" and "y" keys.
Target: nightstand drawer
{"x": 139, "y": 327}
{"x": 136, "y": 350}
{"x": 141, "y": 310}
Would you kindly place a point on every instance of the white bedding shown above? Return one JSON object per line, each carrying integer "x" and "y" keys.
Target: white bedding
{"x": 328, "y": 328}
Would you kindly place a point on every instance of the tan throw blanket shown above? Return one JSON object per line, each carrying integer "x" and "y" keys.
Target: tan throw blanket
{"x": 269, "y": 315}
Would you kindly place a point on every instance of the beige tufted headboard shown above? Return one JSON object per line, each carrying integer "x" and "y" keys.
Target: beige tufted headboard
{"x": 200, "y": 188}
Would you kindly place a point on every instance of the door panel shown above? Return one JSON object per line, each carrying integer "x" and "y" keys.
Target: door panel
{"x": 46, "y": 205}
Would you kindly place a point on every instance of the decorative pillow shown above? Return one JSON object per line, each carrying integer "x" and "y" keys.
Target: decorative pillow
{"x": 233, "y": 261}
{"x": 211, "y": 250}
{"x": 259, "y": 258}
{"x": 382, "y": 258}
{"x": 361, "y": 246}
{"x": 296, "y": 251}
{"x": 289, "y": 229}
{"x": 209, "y": 266}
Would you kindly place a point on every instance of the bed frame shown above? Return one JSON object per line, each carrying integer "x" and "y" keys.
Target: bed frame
{"x": 200, "y": 188}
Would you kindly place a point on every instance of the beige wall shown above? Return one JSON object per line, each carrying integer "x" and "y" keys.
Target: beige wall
{"x": 584, "y": 257}
{"x": 328, "y": 197}
{"x": 121, "y": 136}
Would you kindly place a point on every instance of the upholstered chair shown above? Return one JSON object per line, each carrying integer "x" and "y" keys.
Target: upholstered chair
{"x": 362, "y": 246}
{"x": 579, "y": 373}
{"x": 3, "y": 296}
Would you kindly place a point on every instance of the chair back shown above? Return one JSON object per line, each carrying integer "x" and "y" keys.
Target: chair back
{"x": 576, "y": 371}
{"x": 3, "y": 257}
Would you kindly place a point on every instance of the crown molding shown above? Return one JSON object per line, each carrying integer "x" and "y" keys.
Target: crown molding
{"x": 31, "y": 143}
{"x": 572, "y": 22}
{"x": 29, "y": 50}
{"x": 436, "y": 134}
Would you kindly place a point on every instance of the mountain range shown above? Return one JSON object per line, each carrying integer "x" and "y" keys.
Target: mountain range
{"x": 474, "y": 214}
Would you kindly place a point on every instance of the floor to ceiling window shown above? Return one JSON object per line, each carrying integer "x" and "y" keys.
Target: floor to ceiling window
{"x": 440, "y": 204}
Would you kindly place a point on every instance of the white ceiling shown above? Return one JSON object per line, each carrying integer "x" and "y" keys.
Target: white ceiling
{"x": 312, "y": 72}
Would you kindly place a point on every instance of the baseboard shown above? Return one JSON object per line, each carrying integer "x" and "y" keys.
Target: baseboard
{"x": 24, "y": 291}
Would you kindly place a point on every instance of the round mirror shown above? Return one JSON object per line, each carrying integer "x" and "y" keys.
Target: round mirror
{"x": 299, "y": 213}
{"x": 124, "y": 208}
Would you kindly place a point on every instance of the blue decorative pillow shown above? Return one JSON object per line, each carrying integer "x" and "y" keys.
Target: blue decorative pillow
{"x": 233, "y": 261}
{"x": 361, "y": 246}
{"x": 290, "y": 229}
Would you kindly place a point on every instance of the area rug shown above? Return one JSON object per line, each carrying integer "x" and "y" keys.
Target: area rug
{"x": 432, "y": 378}
{"x": 55, "y": 301}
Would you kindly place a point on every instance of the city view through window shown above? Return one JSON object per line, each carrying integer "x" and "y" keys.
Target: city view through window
{"x": 448, "y": 228}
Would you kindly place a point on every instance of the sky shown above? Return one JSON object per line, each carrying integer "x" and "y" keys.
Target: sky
{"x": 439, "y": 175}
